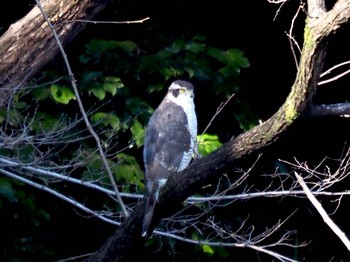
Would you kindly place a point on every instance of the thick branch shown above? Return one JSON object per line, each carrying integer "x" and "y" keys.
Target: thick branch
{"x": 340, "y": 109}
{"x": 209, "y": 168}
{"x": 316, "y": 8}
{"x": 24, "y": 50}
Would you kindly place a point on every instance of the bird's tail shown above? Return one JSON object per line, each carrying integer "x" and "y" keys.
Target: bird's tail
{"x": 149, "y": 208}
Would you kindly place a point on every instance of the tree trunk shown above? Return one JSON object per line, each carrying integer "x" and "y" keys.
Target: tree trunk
{"x": 25, "y": 50}
{"x": 125, "y": 242}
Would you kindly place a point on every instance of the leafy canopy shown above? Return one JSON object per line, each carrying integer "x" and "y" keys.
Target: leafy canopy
{"x": 116, "y": 80}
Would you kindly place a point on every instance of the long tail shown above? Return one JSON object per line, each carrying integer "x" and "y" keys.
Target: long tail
{"x": 149, "y": 208}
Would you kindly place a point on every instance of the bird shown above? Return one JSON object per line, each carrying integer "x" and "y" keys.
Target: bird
{"x": 170, "y": 142}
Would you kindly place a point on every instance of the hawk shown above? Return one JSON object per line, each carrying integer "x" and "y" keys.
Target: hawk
{"x": 170, "y": 142}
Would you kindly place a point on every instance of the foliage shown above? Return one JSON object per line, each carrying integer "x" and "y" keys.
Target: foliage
{"x": 115, "y": 79}
{"x": 208, "y": 143}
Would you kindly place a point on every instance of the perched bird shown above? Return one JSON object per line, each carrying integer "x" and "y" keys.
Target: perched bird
{"x": 170, "y": 142}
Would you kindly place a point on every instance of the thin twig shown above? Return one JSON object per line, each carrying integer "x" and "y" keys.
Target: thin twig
{"x": 63, "y": 177}
{"x": 335, "y": 77}
{"x": 323, "y": 213}
{"x": 218, "y": 110}
{"x": 59, "y": 195}
{"x": 140, "y": 21}
{"x": 82, "y": 110}
{"x": 292, "y": 39}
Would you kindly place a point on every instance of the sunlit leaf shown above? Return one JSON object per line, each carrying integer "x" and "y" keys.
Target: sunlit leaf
{"x": 62, "y": 94}
{"x": 138, "y": 132}
{"x": 99, "y": 92}
{"x": 112, "y": 84}
{"x": 208, "y": 143}
{"x": 208, "y": 249}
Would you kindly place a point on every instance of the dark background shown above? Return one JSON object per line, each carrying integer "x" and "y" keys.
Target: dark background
{"x": 250, "y": 26}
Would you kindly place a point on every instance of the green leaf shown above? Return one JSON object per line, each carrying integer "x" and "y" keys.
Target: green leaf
{"x": 155, "y": 87}
{"x": 109, "y": 87}
{"x": 195, "y": 47}
{"x": 200, "y": 38}
{"x": 129, "y": 170}
{"x": 47, "y": 123}
{"x": 91, "y": 77}
{"x": 177, "y": 46}
{"x": 190, "y": 71}
{"x": 127, "y": 46}
{"x": 107, "y": 119}
{"x": 98, "y": 91}
{"x": 62, "y": 94}
{"x": 6, "y": 190}
{"x": 6, "y": 152}
{"x": 167, "y": 72}
{"x": 208, "y": 143}
{"x": 208, "y": 249}
{"x": 138, "y": 132}
{"x": 26, "y": 154}
{"x": 100, "y": 45}
{"x": 112, "y": 84}
{"x": 41, "y": 93}
{"x": 20, "y": 105}
{"x": 164, "y": 54}
{"x": 137, "y": 106}
{"x": 238, "y": 57}
{"x": 12, "y": 116}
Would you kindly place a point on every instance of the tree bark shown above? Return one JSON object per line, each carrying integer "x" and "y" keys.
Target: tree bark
{"x": 25, "y": 50}
{"x": 125, "y": 242}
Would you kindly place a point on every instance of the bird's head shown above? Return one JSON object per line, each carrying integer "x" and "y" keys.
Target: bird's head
{"x": 181, "y": 92}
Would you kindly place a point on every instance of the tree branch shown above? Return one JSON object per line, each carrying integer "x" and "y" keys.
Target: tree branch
{"x": 323, "y": 213}
{"x": 340, "y": 109}
{"x": 83, "y": 112}
{"x": 25, "y": 50}
{"x": 122, "y": 245}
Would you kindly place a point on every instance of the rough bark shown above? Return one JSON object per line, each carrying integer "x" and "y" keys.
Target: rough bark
{"x": 125, "y": 242}
{"x": 25, "y": 50}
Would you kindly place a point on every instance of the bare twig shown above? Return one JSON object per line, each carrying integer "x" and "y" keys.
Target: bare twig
{"x": 292, "y": 39}
{"x": 335, "y": 77}
{"x": 218, "y": 110}
{"x": 140, "y": 21}
{"x": 281, "y": 2}
{"x": 323, "y": 213}
{"x": 82, "y": 110}
{"x": 59, "y": 195}
{"x": 44, "y": 172}
{"x": 277, "y": 1}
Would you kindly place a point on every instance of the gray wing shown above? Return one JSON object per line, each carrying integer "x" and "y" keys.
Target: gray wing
{"x": 167, "y": 138}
